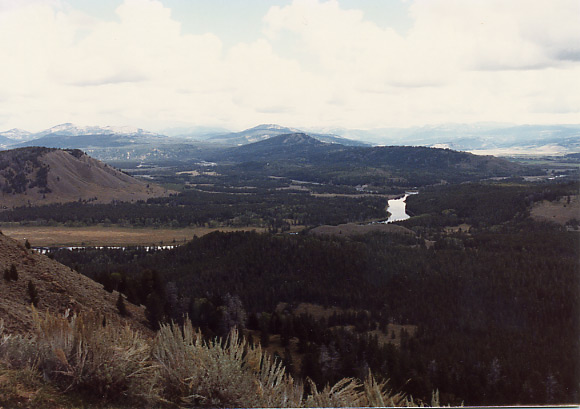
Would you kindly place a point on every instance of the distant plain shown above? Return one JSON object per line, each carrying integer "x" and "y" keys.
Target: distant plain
{"x": 47, "y": 236}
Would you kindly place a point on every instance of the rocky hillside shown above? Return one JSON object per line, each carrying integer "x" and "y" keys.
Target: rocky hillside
{"x": 58, "y": 289}
{"x": 36, "y": 176}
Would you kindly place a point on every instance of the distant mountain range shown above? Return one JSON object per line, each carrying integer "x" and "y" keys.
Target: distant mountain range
{"x": 129, "y": 143}
{"x": 69, "y": 129}
{"x": 266, "y": 131}
{"x": 15, "y": 134}
{"x": 38, "y": 175}
{"x": 486, "y": 138}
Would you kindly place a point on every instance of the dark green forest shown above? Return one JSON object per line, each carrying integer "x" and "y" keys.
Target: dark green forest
{"x": 496, "y": 307}
{"x": 262, "y": 208}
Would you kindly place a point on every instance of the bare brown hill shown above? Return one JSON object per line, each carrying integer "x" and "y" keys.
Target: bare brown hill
{"x": 36, "y": 176}
{"x": 60, "y": 289}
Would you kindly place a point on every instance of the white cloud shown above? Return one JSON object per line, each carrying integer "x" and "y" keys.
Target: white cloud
{"x": 317, "y": 64}
{"x": 461, "y": 60}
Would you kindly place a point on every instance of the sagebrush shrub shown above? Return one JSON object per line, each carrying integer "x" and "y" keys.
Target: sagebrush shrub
{"x": 110, "y": 360}
{"x": 17, "y": 351}
{"x": 219, "y": 372}
{"x": 85, "y": 352}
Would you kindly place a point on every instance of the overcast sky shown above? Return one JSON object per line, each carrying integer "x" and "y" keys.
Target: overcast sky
{"x": 301, "y": 63}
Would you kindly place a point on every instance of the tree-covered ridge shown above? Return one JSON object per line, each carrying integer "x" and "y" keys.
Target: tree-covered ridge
{"x": 20, "y": 170}
{"x": 417, "y": 166}
{"x": 481, "y": 204}
{"x": 271, "y": 209}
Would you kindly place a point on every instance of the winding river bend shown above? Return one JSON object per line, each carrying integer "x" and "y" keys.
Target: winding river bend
{"x": 397, "y": 208}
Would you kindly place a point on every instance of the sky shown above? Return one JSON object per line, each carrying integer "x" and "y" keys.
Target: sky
{"x": 359, "y": 64}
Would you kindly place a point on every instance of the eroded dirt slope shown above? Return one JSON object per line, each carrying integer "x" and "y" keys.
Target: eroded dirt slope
{"x": 59, "y": 289}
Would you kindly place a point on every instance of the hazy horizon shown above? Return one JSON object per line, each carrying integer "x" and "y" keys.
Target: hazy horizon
{"x": 161, "y": 130}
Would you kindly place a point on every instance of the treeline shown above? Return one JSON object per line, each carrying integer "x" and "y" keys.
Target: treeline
{"x": 481, "y": 204}
{"x": 497, "y": 311}
{"x": 274, "y": 209}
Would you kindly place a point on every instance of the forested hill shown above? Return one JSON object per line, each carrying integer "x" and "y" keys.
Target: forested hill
{"x": 419, "y": 157}
{"x": 415, "y": 165}
{"x": 33, "y": 176}
{"x": 295, "y": 146}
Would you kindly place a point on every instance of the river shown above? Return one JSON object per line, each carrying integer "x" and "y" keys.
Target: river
{"x": 46, "y": 250}
{"x": 397, "y": 208}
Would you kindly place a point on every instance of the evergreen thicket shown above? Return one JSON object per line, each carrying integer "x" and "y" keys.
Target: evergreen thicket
{"x": 497, "y": 312}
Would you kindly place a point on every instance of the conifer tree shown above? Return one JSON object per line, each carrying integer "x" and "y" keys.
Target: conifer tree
{"x": 121, "y": 306}
{"x": 33, "y": 293}
{"x": 154, "y": 310}
{"x": 11, "y": 274}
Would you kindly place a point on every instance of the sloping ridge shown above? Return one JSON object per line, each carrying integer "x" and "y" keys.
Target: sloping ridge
{"x": 59, "y": 289}
{"x": 282, "y": 147}
{"x": 267, "y": 131}
{"x": 83, "y": 173}
{"x": 39, "y": 176}
{"x": 300, "y": 146}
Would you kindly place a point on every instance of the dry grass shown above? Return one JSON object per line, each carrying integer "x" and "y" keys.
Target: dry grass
{"x": 59, "y": 289}
{"x": 25, "y": 388}
{"x": 318, "y": 312}
{"x": 84, "y": 352}
{"x": 351, "y": 392}
{"x": 221, "y": 372}
{"x": 178, "y": 368}
{"x": 559, "y": 211}
{"x": 46, "y": 236}
{"x": 464, "y": 227}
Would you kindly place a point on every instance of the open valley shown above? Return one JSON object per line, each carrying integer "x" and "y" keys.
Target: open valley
{"x": 47, "y": 236}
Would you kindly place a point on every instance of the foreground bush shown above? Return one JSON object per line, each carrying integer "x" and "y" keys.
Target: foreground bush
{"x": 220, "y": 373}
{"x": 176, "y": 368}
{"x": 106, "y": 358}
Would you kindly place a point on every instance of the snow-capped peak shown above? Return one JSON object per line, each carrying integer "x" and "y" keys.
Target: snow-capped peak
{"x": 273, "y": 127}
{"x": 16, "y": 134}
{"x": 69, "y": 129}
